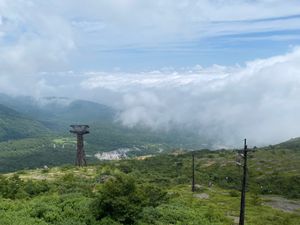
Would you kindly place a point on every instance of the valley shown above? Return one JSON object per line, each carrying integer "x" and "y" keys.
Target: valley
{"x": 146, "y": 175}
{"x": 35, "y": 133}
{"x": 139, "y": 112}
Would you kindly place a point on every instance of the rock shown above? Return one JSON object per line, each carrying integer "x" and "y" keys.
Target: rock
{"x": 201, "y": 196}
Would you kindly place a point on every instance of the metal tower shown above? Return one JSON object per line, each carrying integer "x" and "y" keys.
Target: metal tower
{"x": 80, "y": 130}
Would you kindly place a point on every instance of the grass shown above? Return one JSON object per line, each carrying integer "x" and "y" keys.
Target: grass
{"x": 224, "y": 201}
{"x": 272, "y": 170}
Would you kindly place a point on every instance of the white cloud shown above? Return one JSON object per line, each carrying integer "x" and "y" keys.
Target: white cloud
{"x": 39, "y": 35}
{"x": 32, "y": 40}
{"x": 259, "y": 101}
{"x": 116, "y": 23}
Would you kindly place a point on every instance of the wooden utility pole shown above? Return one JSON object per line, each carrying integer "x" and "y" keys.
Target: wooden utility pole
{"x": 244, "y": 184}
{"x": 80, "y": 130}
{"x": 193, "y": 172}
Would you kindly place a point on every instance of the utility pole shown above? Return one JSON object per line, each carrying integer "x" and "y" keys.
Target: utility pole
{"x": 193, "y": 172}
{"x": 244, "y": 183}
{"x": 80, "y": 130}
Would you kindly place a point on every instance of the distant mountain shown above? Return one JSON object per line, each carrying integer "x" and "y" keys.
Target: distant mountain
{"x": 80, "y": 111}
{"x": 58, "y": 112}
{"x": 14, "y": 125}
{"x": 26, "y": 105}
{"x": 293, "y": 143}
{"x": 39, "y": 132}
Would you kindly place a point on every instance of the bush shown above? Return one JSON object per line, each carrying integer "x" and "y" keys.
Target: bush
{"x": 122, "y": 200}
{"x": 12, "y": 187}
{"x": 233, "y": 193}
{"x": 108, "y": 221}
{"x": 256, "y": 200}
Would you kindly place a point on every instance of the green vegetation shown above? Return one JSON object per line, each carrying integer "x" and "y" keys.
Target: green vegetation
{"x": 33, "y": 153}
{"x": 121, "y": 199}
{"x": 145, "y": 190}
{"x": 14, "y": 125}
{"x": 27, "y": 118}
{"x": 156, "y": 190}
{"x": 33, "y": 135}
{"x": 114, "y": 136}
{"x": 53, "y": 149}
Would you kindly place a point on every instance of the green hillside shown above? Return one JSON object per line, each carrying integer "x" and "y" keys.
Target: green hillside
{"x": 58, "y": 149}
{"x": 293, "y": 143}
{"x": 34, "y": 153}
{"x": 58, "y": 109}
{"x": 112, "y": 135}
{"x": 24, "y": 122}
{"x": 14, "y": 125}
{"x": 58, "y": 113}
{"x": 156, "y": 190}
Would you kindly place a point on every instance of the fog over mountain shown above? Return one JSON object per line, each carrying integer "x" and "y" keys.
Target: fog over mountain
{"x": 258, "y": 101}
{"x": 215, "y": 67}
{"x": 149, "y": 112}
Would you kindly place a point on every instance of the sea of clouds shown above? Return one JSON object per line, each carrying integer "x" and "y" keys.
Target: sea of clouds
{"x": 258, "y": 101}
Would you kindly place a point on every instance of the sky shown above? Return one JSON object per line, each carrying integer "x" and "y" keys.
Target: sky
{"x": 230, "y": 68}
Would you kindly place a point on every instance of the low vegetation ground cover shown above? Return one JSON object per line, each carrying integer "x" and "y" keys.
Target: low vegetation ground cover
{"x": 156, "y": 190}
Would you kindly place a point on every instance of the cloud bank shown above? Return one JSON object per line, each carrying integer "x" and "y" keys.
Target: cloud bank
{"x": 46, "y": 35}
{"x": 32, "y": 39}
{"x": 259, "y": 101}
{"x": 38, "y": 39}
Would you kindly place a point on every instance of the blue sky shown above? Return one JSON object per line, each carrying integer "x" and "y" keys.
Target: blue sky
{"x": 223, "y": 50}
{"x": 203, "y": 64}
{"x": 141, "y": 35}
{"x": 224, "y": 42}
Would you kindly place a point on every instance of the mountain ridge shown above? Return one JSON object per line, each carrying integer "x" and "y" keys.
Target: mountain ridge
{"x": 14, "y": 125}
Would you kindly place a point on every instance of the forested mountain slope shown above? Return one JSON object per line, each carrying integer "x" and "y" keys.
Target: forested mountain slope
{"x": 14, "y": 125}
{"x": 49, "y": 119}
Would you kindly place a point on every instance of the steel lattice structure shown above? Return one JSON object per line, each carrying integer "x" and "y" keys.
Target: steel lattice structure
{"x": 80, "y": 130}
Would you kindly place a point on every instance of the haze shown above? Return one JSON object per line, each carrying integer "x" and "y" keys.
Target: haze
{"x": 227, "y": 69}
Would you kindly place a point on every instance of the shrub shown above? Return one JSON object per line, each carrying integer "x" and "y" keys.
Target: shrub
{"x": 233, "y": 193}
{"x": 122, "y": 199}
